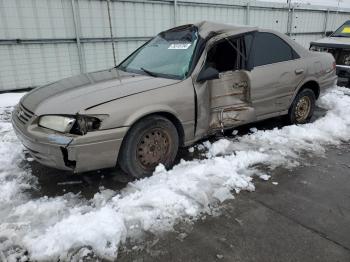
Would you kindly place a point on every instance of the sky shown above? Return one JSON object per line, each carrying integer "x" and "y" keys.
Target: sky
{"x": 342, "y": 3}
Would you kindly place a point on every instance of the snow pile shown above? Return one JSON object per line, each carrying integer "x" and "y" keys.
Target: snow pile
{"x": 63, "y": 227}
{"x": 9, "y": 100}
{"x": 13, "y": 180}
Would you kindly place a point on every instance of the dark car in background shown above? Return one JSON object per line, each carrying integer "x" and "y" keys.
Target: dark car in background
{"x": 338, "y": 44}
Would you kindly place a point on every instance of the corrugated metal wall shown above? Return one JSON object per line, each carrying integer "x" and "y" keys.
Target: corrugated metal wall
{"x": 45, "y": 40}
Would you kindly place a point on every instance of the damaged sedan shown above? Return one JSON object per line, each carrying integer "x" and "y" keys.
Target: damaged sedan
{"x": 184, "y": 84}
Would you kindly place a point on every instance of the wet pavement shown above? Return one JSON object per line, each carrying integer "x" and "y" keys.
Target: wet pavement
{"x": 299, "y": 215}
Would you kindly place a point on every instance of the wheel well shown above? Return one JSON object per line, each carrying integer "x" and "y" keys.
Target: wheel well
{"x": 176, "y": 122}
{"x": 313, "y": 85}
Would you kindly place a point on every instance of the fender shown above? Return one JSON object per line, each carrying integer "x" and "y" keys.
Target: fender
{"x": 184, "y": 129}
{"x": 151, "y": 109}
{"x": 300, "y": 86}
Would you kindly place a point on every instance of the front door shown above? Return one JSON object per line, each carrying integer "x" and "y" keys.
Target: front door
{"x": 230, "y": 94}
{"x": 229, "y": 100}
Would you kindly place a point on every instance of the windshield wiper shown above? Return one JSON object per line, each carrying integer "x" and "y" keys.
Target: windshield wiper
{"x": 149, "y": 72}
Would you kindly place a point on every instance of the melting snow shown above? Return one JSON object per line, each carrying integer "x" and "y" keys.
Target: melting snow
{"x": 67, "y": 226}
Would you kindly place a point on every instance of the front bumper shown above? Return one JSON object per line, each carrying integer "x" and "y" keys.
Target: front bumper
{"x": 95, "y": 150}
{"x": 343, "y": 71}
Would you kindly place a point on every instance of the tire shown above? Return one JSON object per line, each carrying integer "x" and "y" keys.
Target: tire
{"x": 302, "y": 108}
{"x": 152, "y": 140}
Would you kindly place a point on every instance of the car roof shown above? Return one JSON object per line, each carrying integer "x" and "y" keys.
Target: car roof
{"x": 207, "y": 28}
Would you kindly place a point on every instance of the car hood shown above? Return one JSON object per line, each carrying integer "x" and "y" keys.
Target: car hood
{"x": 341, "y": 42}
{"x": 75, "y": 94}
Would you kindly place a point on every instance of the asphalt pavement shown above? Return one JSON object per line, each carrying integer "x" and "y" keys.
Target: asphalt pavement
{"x": 298, "y": 215}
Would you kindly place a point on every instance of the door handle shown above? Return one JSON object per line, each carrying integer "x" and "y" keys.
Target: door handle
{"x": 299, "y": 71}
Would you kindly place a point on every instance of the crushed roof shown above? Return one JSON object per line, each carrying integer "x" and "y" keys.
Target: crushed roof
{"x": 206, "y": 28}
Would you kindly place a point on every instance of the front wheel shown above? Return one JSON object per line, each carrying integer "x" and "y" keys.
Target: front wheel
{"x": 151, "y": 141}
{"x": 302, "y": 108}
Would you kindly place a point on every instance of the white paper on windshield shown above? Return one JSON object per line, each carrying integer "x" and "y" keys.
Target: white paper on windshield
{"x": 179, "y": 46}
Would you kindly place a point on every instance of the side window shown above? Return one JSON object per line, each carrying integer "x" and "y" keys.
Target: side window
{"x": 227, "y": 55}
{"x": 268, "y": 48}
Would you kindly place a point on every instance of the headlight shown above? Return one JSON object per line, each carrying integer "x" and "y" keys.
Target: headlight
{"x": 346, "y": 60}
{"x": 77, "y": 124}
{"x": 85, "y": 124}
{"x": 58, "y": 123}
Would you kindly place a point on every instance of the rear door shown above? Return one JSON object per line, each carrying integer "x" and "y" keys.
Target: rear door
{"x": 275, "y": 75}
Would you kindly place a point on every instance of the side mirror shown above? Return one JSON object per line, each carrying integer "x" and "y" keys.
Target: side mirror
{"x": 209, "y": 73}
{"x": 328, "y": 33}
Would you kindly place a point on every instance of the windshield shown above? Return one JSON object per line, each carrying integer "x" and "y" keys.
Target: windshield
{"x": 343, "y": 31}
{"x": 169, "y": 54}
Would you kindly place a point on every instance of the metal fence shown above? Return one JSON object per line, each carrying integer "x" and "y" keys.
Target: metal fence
{"x": 45, "y": 40}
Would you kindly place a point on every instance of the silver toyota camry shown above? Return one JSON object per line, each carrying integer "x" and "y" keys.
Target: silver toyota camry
{"x": 184, "y": 84}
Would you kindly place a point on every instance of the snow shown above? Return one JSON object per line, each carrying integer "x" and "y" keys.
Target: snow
{"x": 9, "y": 99}
{"x": 98, "y": 231}
{"x": 52, "y": 228}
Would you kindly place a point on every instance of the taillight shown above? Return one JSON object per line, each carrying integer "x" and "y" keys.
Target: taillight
{"x": 334, "y": 65}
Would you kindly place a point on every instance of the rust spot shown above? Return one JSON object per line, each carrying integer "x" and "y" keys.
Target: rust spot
{"x": 217, "y": 125}
{"x": 214, "y": 126}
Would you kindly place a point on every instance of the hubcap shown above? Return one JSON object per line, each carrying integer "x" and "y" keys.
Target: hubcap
{"x": 153, "y": 148}
{"x": 303, "y": 108}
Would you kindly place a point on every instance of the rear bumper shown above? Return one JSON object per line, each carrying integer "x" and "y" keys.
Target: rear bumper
{"x": 343, "y": 71}
{"x": 95, "y": 150}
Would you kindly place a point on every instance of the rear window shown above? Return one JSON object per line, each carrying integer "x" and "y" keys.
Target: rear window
{"x": 269, "y": 49}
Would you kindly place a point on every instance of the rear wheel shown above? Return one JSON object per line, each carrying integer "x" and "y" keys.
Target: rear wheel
{"x": 150, "y": 141}
{"x": 303, "y": 107}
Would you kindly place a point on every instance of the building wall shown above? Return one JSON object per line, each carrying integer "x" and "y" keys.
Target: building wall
{"x": 45, "y": 40}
